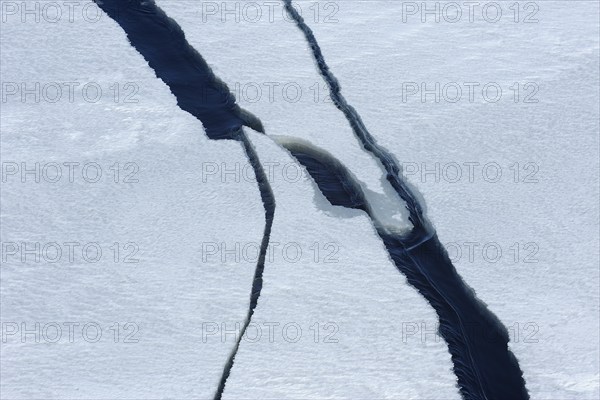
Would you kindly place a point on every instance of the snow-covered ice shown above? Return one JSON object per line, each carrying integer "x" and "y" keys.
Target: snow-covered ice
{"x": 180, "y": 201}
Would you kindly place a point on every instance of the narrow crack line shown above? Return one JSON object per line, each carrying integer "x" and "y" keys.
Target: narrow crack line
{"x": 268, "y": 199}
{"x": 485, "y": 369}
{"x": 161, "y": 41}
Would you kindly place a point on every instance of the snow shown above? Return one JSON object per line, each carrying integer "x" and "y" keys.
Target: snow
{"x": 169, "y": 213}
{"x": 185, "y": 202}
{"x": 556, "y": 211}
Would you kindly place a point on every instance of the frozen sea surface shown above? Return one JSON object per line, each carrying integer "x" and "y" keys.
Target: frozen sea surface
{"x": 526, "y": 241}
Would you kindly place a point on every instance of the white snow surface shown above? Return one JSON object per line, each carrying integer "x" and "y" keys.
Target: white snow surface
{"x": 348, "y": 291}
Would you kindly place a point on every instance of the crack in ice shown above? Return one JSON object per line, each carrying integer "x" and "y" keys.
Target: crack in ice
{"x": 161, "y": 41}
{"x": 484, "y": 366}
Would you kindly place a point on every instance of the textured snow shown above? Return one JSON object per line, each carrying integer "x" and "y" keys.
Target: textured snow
{"x": 269, "y": 67}
{"x": 175, "y": 207}
{"x": 559, "y": 293}
{"x": 169, "y": 213}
